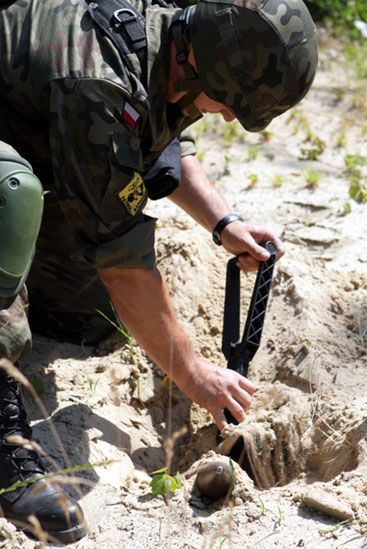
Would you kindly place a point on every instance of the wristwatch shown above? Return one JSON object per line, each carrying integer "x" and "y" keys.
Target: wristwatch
{"x": 217, "y": 231}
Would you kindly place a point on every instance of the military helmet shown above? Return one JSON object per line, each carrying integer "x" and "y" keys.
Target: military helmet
{"x": 257, "y": 57}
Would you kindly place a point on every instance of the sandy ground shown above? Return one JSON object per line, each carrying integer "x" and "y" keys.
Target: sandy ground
{"x": 305, "y": 436}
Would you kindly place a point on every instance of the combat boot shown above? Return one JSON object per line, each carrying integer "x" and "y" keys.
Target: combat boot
{"x": 59, "y": 516}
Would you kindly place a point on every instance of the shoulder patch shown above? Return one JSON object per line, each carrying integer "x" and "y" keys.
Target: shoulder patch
{"x": 133, "y": 194}
{"x": 130, "y": 116}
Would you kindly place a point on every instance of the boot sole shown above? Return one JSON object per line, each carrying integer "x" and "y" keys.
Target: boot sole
{"x": 62, "y": 537}
{"x": 66, "y": 536}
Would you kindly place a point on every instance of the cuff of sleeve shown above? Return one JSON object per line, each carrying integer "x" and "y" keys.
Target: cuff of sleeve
{"x": 187, "y": 142}
{"x": 132, "y": 250}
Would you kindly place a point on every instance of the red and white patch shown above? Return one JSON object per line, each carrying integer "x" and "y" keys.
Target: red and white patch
{"x": 130, "y": 116}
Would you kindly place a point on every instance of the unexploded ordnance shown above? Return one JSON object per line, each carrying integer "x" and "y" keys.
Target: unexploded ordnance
{"x": 214, "y": 480}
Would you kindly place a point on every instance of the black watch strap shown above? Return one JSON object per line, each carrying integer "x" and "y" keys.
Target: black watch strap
{"x": 217, "y": 231}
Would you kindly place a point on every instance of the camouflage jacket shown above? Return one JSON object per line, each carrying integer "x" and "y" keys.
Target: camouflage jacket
{"x": 87, "y": 124}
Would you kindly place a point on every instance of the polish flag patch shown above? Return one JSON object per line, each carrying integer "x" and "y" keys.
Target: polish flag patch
{"x": 130, "y": 116}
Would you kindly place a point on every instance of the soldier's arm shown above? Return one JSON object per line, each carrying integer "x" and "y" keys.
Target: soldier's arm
{"x": 198, "y": 196}
{"x": 142, "y": 302}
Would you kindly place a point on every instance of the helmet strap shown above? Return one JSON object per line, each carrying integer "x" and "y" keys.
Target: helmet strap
{"x": 191, "y": 84}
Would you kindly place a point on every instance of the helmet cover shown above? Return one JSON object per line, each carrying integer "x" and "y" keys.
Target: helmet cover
{"x": 257, "y": 57}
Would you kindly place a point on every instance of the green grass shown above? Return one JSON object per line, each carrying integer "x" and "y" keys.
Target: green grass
{"x": 278, "y": 180}
{"x": 253, "y": 180}
{"x": 59, "y": 473}
{"x": 356, "y": 56}
{"x": 312, "y": 178}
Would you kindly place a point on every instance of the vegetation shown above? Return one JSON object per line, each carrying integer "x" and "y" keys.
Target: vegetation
{"x": 341, "y": 14}
{"x": 163, "y": 484}
{"x": 346, "y": 18}
{"x": 278, "y": 180}
{"x": 353, "y": 171}
{"x": 312, "y": 178}
{"x": 356, "y": 55}
{"x": 58, "y": 475}
{"x": 253, "y": 179}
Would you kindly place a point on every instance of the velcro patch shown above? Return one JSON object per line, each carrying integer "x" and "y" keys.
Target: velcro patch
{"x": 133, "y": 194}
{"x": 130, "y": 115}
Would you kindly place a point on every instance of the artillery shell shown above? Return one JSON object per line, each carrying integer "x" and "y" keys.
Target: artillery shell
{"x": 214, "y": 480}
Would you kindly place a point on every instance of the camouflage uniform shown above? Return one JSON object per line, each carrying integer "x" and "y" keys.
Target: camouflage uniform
{"x": 90, "y": 128}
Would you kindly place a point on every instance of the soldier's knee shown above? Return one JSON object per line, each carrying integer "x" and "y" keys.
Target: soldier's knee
{"x": 21, "y": 207}
{"x": 15, "y": 334}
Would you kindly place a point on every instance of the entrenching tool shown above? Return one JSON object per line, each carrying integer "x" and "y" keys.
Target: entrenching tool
{"x": 239, "y": 353}
{"x": 210, "y": 479}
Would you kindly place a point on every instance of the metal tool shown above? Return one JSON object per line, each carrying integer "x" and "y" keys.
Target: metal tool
{"x": 239, "y": 353}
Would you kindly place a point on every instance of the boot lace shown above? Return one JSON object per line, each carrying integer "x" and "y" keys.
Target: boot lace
{"x": 13, "y": 422}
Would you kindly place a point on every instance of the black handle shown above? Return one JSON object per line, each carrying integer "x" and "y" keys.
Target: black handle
{"x": 240, "y": 353}
{"x": 257, "y": 310}
{"x": 231, "y": 317}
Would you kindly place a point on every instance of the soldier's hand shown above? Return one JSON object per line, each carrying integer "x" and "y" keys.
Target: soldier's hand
{"x": 243, "y": 240}
{"x": 217, "y": 388}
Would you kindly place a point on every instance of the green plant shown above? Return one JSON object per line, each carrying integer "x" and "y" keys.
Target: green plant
{"x": 121, "y": 329}
{"x": 92, "y": 383}
{"x": 230, "y": 133}
{"x": 201, "y": 155}
{"x": 341, "y": 14}
{"x": 333, "y": 529}
{"x": 341, "y": 140}
{"x": 353, "y": 160}
{"x": 353, "y": 164}
{"x": 340, "y": 94}
{"x": 263, "y": 507}
{"x": 299, "y": 119}
{"x": 203, "y": 126}
{"x": 138, "y": 387}
{"x": 266, "y": 135}
{"x": 312, "y": 178}
{"x": 278, "y": 180}
{"x": 227, "y": 164}
{"x": 356, "y": 55}
{"x": 163, "y": 484}
{"x": 281, "y": 514}
{"x": 233, "y": 470}
{"x": 166, "y": 384}
{"x": 346, "y": 209}
{"x": 253, "y": 178}
{"x": 253, "y": 152}
{"x": 358, "y": 192}
{"x": 315, "y": 150}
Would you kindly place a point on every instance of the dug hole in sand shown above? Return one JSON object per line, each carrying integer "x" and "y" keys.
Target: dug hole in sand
{"x": 300, "y": 474}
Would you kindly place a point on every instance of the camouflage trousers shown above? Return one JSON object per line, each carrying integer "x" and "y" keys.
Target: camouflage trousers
{"x": 64, "y": 296}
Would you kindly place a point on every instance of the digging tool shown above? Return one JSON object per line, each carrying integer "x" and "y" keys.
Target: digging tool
{"x": 239, "y": 353}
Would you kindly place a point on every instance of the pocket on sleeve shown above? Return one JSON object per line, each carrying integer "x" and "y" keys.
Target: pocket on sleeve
{"x": 125, "y": 195}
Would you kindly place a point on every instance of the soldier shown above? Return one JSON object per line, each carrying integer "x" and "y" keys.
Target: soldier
{"x": 94, "y": 95}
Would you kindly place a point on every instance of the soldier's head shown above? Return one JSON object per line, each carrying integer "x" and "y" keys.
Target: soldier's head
{"x": 256, "y": 57}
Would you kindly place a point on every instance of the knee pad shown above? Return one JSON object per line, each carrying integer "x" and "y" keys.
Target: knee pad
{"x": 21, "y": 207}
